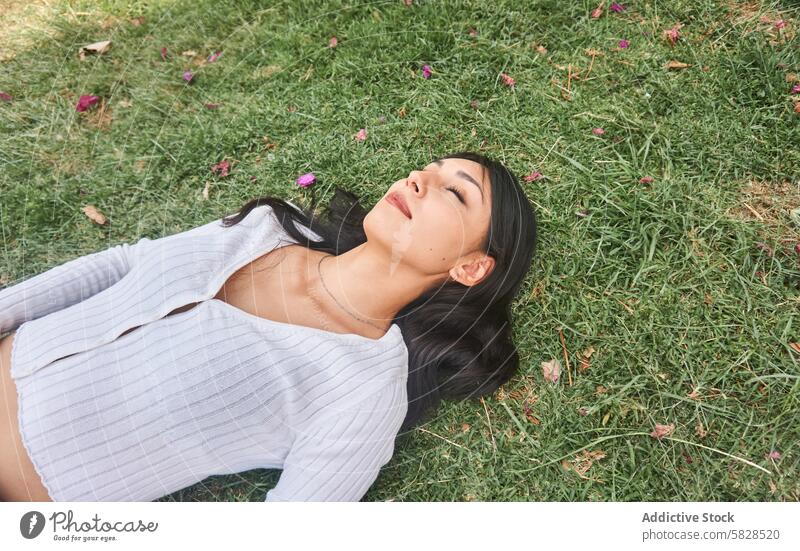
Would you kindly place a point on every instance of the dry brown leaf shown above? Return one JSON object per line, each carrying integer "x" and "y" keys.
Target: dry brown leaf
{"x": 662, "y": 430}
{"x": 600, "y": 389}
{"x": 791, "y": 77}
{"x": 137, "y": 21}
{"x": 797, "y": 107}
{"x": 673, "y": 64}
{"x": 795, "y": 346}
{"x": 402, "y": 112}
{"x": 583, "y": 462}
{"x": 95, "y": 48}
{"x": 541, "y": 49}
{"x": 189, "y": 53}
{"x": 700, "y": 431}
{"x": 205, "y": 190}
{"x": 94, "y": 215}
{"x": 606, "y": 417}
{"x": 465, "y": 427}
{"x": 551, "y": 370}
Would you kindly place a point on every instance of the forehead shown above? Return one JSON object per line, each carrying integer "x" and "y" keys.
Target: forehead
{"x": 476, "y": 170}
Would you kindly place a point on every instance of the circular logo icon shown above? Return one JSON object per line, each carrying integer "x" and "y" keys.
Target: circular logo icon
{"x": 31, "y": 524}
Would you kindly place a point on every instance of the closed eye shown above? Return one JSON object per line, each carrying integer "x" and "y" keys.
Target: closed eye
{"x": 458, "y": 193}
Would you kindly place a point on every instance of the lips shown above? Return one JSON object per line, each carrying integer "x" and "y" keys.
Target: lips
{"x": 398, "y": 201}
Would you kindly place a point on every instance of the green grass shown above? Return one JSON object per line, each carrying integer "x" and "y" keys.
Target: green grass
{"x": 664, "y": 280}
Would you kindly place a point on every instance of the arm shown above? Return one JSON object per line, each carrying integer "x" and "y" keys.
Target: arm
{"x": 341, "y": 458}
{"x": 65, "y": 284}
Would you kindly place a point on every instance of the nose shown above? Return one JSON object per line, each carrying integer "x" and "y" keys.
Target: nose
{"x": 416, "y": 183}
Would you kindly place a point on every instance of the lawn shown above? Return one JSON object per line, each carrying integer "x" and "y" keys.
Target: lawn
{"x": 658, "y": 144}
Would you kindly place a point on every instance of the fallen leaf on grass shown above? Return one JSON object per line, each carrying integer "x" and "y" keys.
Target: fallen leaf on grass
{"x": 137, "y": 21}
{"x": 507, "y": 80}
{"x": 583, "y": 462}
{"x": 222, "y": 168}
{"x": 662, "y": 430}
{"x": 85, "y": 102}
{"x": 584, "y": 359}
{"x": 94, "y": 215}
{"x": 206, "y": 189}
{"x": 672, "y": 35}
{"x": 673, "y": 64}
{"x": 700, "y": 431}
{"x": 189, "y": 53}
{"x": 551, "y": 370}
{"x": 95, "y": 48}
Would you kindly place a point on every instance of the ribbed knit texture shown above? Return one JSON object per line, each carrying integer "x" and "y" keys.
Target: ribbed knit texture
{"x": 209, "y": 391}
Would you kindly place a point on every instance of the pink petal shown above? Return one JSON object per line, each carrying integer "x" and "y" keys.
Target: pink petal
{"x": 646, "y": 180}
{"x": 306, "y": 179}
{"x": 222, "y": 167}
{"x": 774, "y": 455}
{"x": 533, "y": 176}
{"x": 426, "y": 71}
{"x": 333, "y": 42}
{"x": 164, "y": 54}
{"x": 473, "y": 32}
{"x": 598, "y": 131}
{"x": 85, "y": 102}
{"x": 796, "y": 89}
{"x": 617, "y": 7}
{"x": 780, "y": 24}
{"x": 188, "y": 76}
{"x": 362, "y": 135}
{"x": 507, "y": 80}
{"x": 5, "y": 97}
{"x": 597, "y": 13}
{"x": 623, "y": 44}
{"x": 214, "y": 56}
{"x": 212, "y": 105}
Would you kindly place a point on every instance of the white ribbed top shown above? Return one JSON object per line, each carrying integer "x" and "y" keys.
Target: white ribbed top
{"x": 209, "y": 391}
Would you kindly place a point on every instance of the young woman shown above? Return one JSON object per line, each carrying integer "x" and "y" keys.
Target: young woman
{"x": 264, "y": 340}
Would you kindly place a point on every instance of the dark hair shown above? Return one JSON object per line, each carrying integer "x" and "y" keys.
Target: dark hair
{"x": 458, "y": 337}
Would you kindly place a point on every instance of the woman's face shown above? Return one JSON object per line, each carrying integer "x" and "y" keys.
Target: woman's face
{"x": 444, "y": 230}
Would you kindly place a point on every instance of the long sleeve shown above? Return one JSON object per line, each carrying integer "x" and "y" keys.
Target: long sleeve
{"x": 341, "y": 457}
{"x": 65, "y": 285}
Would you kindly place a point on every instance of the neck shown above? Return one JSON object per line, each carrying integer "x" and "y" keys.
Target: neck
{"x": 365, "y": 282}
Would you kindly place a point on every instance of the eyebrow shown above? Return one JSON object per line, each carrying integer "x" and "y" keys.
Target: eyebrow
{"x": 465, "y": 176}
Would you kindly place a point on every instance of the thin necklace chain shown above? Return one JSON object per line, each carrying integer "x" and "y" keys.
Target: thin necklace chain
{"x": 319, "y": 270}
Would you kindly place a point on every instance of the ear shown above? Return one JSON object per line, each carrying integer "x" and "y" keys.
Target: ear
{"x": 473, "y": 269}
